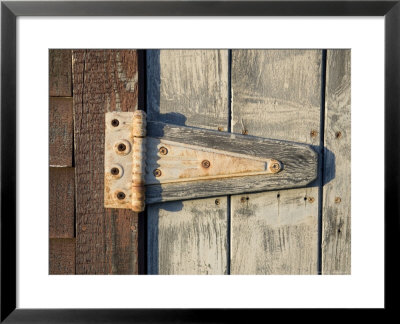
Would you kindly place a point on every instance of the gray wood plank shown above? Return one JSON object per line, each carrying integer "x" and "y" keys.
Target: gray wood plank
{"x": 300, "y": 163}
{"x": 276, "y": 94}
{"x": 336, "y": 215}
{"x": 188, "y": 87}
{"x": 188, "y": 237}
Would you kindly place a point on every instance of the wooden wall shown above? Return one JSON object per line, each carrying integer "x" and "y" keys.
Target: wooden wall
{"x": 85, "y": 238}
{"x": 61, "y": 171}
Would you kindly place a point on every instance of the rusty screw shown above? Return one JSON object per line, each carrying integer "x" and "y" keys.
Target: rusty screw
{"x": 244, "y": 199}
{"x": 163, "y": 150}
{"x": 115, "y": 122}
{"x": 245, "y": 132}
{"x": 157, "y": 173}
{"x": 338, "y": 200}
{"x": 311, "y": 200}
{"x": 217, "y": 202}
{"x": 120, "y": 195}
{"x": 275, "y": 167}
{"x": 338, "y": 135}
{"x": 220, "y": 128}
{"x": 114, "y": 171}
{"x": 121, "y": 147}
{"x": 313, "y": 133}
{"x": 205, "y": 164}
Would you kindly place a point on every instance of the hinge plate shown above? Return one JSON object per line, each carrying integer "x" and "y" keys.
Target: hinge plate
{"x": 171, "y": 156}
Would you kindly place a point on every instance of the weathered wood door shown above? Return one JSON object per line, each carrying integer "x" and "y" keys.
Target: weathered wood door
{"x": 302, "y": 96}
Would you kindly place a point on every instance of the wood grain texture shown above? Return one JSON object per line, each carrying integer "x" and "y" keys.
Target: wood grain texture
{"x": 276, "y": 94}
{"x": 106, "y": 239}
{"x": 188, "y": 87}
{"x": 336, "y": 216}
{"x": 190, "y": 240}
{"x": 62, "y": 256}
{"x": 300, "y": 163}
{"x": 60, "y": 73}
{"x": 274, "y": 233}
{"x": 61, "y": 132}
{"x": 61, "y": 200}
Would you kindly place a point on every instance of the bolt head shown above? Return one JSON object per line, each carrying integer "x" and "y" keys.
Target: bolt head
{"x": 115, "y": 122}
{"x": 275, "y": 166}
{"x": 163, "y": 150}
{"x": 157, "y": 172}
{"x": 121, "y": 195}
{"x": 121, "y": 147}
{"x": 114, "y": 171}
{"x": 205, "y": 164}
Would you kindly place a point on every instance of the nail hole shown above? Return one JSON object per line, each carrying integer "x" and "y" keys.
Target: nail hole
{"x": 278, "y": 195}
{"x": 115, "y": 122}
{"x": 305, "y": 198}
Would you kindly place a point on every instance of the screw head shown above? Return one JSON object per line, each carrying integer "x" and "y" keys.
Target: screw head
{"x": 338, "y": 200}
{"x": 163, "y": 150}
{"x": 115, "y": 122}
{"x": 313, "y": 133}
{"x": 245, "y": 132}
{"x": 220, "y": 128}
{"x": 338, "y": 135}
{"x": 157, "y": 173}
{"x": 121, "y": 195}
{"x": 205, "y": 164}
{"x": 121, "y": 147}
{"x": 217, "y": 202}
{"x": 275, "y": 166}
{"x": 311, "y": 200}
{"x": 114, "y": 171}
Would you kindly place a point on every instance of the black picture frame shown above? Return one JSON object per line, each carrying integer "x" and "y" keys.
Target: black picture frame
{"x": 10, "y": 10}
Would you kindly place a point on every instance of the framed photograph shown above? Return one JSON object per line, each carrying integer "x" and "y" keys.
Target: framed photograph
{"x": 146, "y": 145}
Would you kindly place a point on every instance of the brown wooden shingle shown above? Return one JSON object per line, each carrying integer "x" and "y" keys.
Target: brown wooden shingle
{"x": 60, "y": 73}
{"x": 61, "y": 132}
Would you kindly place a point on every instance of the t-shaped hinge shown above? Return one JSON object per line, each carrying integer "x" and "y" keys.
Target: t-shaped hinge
{"x": 173, "y": 162}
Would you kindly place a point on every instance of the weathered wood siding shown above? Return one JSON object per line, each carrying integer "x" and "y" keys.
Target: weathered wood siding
{"x": 188, "y": 87}
{"x": 61, "y": 132}
{"x": 61, "y": 171}
{"x": 336, "y": 234}
{"x": 106, "y": 239}
{"x": 276, "y": 94}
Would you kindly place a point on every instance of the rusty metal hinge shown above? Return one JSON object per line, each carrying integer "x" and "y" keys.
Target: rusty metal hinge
{"x": 174, "y": 157}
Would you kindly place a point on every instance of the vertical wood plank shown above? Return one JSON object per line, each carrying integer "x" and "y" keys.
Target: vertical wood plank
{"x": 61, "y": 199}
{"x": 61, "y": 132}
{"x": 336, "y": 221}
{"x": 188, "y": 87}
{"x": 276, "y": 94}
{"x": 106, "y": 239}
{"x": 62, "y": 256}
{"x": 60, "y": 74}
